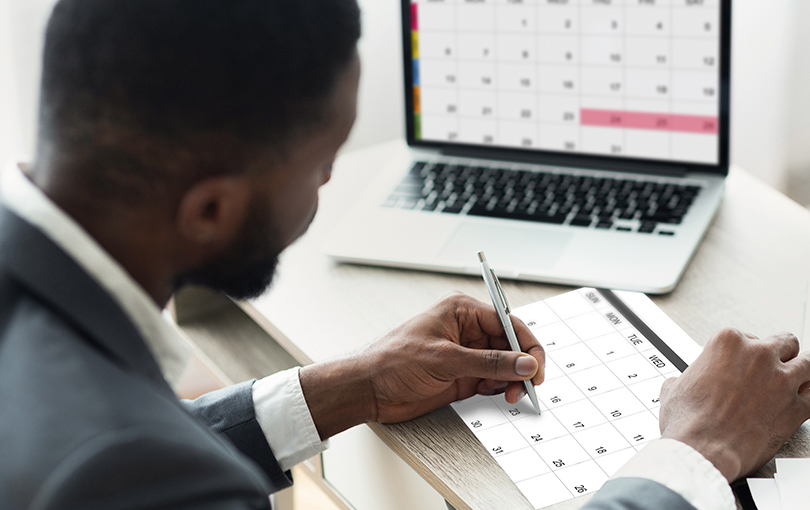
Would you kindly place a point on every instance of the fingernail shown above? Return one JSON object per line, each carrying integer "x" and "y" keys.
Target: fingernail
{"x": 500, "y": 385}
{"x": 526, "y": 365}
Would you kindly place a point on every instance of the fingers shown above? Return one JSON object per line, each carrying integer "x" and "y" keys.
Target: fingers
{"x": 490, "y": 387}
{"x": 488, "y": 322}
{"x": 786, "y": 344}
{"x": 529, "y": 344}
{"x": 799, "y": 369}
{"x": 492, "y": 364}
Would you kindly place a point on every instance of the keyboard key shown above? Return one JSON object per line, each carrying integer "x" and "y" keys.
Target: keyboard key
{"x": 430, "y": 206}
{"x": 666, "y": 233}
{"x": 409, "y": 203}
{"x": 647, "y": 227}
{"x": 454, "y": 209}
{"x": 558, "y": 219}
{"x": 604, "y": 225}
{"x": 581, "y": 221}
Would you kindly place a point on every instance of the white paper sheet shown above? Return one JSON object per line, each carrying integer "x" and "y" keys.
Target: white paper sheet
{"x": 787, "y": 490}
{"x": 599, "y": 401}
{"x": 765, "y": 492}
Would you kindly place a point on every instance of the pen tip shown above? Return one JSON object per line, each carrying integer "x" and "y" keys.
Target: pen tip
{"x": 481, "y": 256}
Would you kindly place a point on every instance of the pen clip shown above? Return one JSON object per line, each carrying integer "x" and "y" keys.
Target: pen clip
{"x": 501, "y": 295}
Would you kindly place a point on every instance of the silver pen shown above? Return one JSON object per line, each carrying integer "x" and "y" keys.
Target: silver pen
{"x": 502, "y": 307}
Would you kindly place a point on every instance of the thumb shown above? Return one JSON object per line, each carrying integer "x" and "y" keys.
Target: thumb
{"x": 493, "y": 364}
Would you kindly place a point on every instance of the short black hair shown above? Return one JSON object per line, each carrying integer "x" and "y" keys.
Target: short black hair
{"x": 258, "y": 70}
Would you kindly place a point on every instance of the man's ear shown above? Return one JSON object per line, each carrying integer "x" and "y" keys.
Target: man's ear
{"x": 211, "y": 213}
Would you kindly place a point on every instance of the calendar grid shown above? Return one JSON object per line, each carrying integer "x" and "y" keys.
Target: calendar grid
{"x": 581, "y": 320}
{"x": 633, "y": 75}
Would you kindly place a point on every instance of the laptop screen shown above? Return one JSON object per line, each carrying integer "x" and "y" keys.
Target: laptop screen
{"x": 642, "y": 80}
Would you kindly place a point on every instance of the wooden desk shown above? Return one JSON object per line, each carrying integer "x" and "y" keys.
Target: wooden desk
{"x": 751, "y": 272}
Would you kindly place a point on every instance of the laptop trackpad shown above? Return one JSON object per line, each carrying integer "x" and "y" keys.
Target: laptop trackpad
{"x": 525, "y": 249}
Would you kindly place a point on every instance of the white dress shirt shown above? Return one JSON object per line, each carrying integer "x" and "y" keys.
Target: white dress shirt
{"x": 281, "y": 409}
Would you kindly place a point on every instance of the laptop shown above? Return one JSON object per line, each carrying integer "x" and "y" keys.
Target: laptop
{"x": 580, "y": 142}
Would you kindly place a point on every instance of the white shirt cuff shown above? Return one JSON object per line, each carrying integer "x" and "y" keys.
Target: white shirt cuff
{"x": 680, "y": 468}
{"x": 283, "y": 415}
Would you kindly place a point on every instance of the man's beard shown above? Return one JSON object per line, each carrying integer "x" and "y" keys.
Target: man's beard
{"x": 247, "y": 270}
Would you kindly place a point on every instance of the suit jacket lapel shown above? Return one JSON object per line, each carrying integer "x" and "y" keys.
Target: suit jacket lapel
{"x": 36, "y": 262}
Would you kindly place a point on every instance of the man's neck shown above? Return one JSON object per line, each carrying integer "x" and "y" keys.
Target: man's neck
{"x": 135, "y": 238}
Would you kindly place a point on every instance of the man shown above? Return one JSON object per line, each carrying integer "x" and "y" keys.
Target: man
{"x": 185, "y": 141}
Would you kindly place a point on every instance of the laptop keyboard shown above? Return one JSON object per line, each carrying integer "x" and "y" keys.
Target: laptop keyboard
{"x": 625, "y": 205}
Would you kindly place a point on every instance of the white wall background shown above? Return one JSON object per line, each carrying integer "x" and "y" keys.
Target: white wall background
{"x": 770, "y": 94}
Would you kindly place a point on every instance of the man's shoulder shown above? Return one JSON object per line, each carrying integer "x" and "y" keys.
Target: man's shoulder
{"x": 71, "y": 417}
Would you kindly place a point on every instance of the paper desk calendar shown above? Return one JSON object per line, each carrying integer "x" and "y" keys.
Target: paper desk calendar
{"x": 607, "y": 355}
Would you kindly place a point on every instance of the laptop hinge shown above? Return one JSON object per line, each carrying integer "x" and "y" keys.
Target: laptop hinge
{"x": 568, "y": 161}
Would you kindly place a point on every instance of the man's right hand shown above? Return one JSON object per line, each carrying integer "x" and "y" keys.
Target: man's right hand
{"x": 740, "y": 401}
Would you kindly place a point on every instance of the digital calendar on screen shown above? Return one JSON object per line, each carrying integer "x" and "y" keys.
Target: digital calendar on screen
{"x": 623, "y": 78}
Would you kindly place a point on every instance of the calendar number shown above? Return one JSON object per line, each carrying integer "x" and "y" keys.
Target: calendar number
{"x": 514, "y": 412}
{"x": 616, "y": 414}
{"x": 556, "y": 400}
{"x": 497, "y": 450}
{"x": 592, "y": 388}
{"x": 476, "y": 424}
{"x": 579, "y": 425}
{"x": 601, "y": 450}
{"x": 580, "y": 489}
{"x": 537, "y": 438}
{"x": 558, "y": 463}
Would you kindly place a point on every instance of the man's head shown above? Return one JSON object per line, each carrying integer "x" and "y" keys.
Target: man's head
{"x": 212, "y": 115}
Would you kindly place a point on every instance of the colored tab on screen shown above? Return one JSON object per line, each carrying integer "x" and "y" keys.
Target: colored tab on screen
{"x": 651, "y": 121}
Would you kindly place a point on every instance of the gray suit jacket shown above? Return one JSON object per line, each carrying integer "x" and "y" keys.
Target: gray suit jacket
{"x": 636, "y": 494}
{"x": 86, "y": 419}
